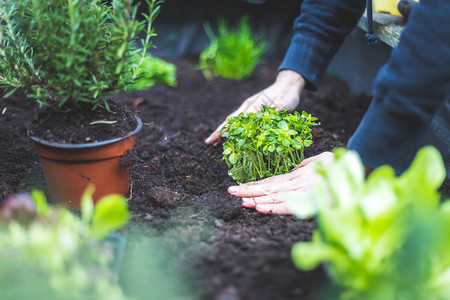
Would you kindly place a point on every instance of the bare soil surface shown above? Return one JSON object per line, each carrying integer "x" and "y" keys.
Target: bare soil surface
{"x": 209, "y": 246}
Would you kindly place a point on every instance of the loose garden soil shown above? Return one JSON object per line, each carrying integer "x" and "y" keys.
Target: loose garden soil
{"x": 204, "y": 244}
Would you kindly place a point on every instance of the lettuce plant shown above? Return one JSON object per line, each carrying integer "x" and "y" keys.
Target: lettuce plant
{"x": 53, "y": 253}
{"x": 233, "y": 54}
{"x": 266, "y": 143}
{"x": 69, "y": 51}
{"x": 384, "y": 237}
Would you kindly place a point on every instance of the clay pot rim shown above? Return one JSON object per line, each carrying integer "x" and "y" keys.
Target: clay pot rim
{"x": 88, "y": 145}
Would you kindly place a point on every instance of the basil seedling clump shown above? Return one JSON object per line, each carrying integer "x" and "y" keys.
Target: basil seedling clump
{"x": 267, "y": 143}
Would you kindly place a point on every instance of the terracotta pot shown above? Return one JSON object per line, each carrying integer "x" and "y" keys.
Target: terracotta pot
{"x": 69, "y": 168}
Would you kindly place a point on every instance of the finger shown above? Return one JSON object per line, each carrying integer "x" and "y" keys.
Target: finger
{"x": 277, "y": 208}
{"x": 248, "y": 202}
{"x": 273, "y": 179}
{"x": 265, "y": 187}
{"x": 216, "y": 136}
{"x": 274, "y": 198}
{"x": 269, "y": 199}
{"x": 324, "y": 157}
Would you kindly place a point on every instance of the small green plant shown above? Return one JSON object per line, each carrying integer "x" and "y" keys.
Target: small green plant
{"x": 155, "y": 70}
{"x": 266, "y": 143}
{"x": 53, "y": 253}
{"x": 67, "y": 51}
{"x": 233, "y": 54}
{"x": 380, "y": 238}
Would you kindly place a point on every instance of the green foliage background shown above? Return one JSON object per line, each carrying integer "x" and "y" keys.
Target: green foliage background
{"x": 233, "y": 54}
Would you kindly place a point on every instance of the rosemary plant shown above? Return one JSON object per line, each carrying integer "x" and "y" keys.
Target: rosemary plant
{"x": 65, "y": 51}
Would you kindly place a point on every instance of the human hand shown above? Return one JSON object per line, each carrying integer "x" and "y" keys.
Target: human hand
{"x": 284, "y": 93}
{"x": 266, "y": 196}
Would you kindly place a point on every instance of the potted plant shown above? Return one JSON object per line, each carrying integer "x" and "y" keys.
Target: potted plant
{"x": 267, "y": 143}
{"x": 69, "y": 56}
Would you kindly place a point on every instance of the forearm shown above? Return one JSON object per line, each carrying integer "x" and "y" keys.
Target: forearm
{"x": 318, "y": 33}
{"x": 408, "y": 91}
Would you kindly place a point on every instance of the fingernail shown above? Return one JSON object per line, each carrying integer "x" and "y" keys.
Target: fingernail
{"x": 233, "y": 190}
{"x": 208, "y": 140}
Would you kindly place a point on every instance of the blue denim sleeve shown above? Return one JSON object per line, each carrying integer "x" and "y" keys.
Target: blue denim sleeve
{"x": 408, "y": 90}
{"x": 318, "y": 33}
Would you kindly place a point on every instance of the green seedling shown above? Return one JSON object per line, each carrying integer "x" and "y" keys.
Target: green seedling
{"x": 233, "y": 54}
{"x": 266, "y": 143}
{"x": 155, "y": 70}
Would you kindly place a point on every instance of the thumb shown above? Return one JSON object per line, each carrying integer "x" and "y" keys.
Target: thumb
{"x": 216, "y": 136}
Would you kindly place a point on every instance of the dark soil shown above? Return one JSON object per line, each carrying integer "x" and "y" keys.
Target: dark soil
{"x": 202, "y": 242}
{"x": 113, "y": 121}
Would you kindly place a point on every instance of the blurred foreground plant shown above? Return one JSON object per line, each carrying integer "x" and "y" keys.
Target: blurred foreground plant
{"x": 266, "y": 143}
{"x": 50, "y": 253}
{"x": 233, "y": 54}
{"x": 380, "y": 238}
{"x": 155, "y": 70}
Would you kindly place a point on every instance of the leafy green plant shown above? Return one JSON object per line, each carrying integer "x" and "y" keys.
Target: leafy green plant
{"x": 51, "y": 252}
{"x": 384, "y": 237}
{"x": 155, "y": 70}
{"x": 66, "y": 51}
{"x": 233, "y": 54}
{"x": 266, "y": 143}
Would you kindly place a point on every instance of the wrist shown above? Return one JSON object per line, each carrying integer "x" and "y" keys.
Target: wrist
{"x": 291, "y": 79}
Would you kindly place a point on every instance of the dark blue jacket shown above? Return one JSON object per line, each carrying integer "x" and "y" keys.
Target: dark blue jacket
{"x": 408, "y": 91}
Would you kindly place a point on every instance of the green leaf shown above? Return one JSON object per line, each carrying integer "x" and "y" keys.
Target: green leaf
{"x": 87, "y": 204}
{"x": 111, "y": 213}
{"x": 286, "y": 142}
{"x": 307, "y": 256}
{"x": 307, "y": 143}
{"x": 283, "y": 125}
{"x": 428, "y": 169}
{"x": 233, "y": 158}
{"x": 41, "y": 202}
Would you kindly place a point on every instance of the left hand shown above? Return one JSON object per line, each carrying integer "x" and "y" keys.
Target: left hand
{"x": 266, "y": 196}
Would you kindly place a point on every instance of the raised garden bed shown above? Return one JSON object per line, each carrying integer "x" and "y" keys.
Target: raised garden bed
{"x": 213, "y": 246}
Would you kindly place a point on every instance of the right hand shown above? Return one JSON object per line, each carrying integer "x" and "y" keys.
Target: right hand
{"x": 284, "y": 93}
{"x": 267, "y": 195}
